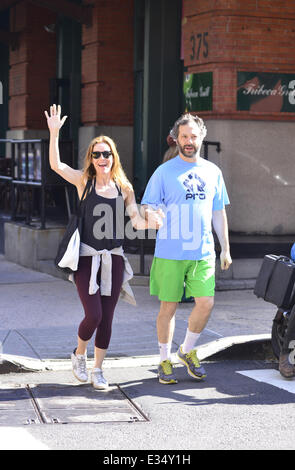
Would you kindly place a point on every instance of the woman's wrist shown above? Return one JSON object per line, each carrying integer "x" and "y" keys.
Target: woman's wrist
{"x": 54, "y": 134}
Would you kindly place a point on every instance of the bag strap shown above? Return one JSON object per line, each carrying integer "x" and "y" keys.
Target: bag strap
{"x": 118, "y": 189}
{"x": 85, "y": 192}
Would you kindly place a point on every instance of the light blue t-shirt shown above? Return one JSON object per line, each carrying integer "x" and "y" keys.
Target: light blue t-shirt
{"x": 187, "y": 193}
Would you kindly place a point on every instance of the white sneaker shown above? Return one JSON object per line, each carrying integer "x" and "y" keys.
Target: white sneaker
{"x": 98, "y": 380}
{"x": 79, "y": 366}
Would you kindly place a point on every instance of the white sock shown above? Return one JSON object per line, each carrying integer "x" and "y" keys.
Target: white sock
{"x": 165, "y": 351}
{"x": 189, "y": 341}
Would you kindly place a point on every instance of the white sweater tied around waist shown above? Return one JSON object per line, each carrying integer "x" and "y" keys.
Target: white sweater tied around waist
{"x": 103, "y": 258}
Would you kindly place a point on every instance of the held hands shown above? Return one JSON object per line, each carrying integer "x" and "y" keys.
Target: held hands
{"x": 54, "y": 121}
{"x": 154, "y": 218}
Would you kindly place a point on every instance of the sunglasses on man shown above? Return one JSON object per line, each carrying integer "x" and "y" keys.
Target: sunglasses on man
{"x": 105, "y": 154}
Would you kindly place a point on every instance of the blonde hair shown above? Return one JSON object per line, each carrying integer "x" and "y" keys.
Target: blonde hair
{"x": 117, "y": 172}
{"x": 170, "y": 153}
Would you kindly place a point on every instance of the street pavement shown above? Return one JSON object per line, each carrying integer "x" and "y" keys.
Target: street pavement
{"x": 40, "y": 315}
{"x": 243, "y": 403}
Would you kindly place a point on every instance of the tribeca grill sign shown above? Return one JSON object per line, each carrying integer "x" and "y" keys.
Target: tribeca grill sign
{"x": 282, "y": 90}
{"x": 266, "y": 92}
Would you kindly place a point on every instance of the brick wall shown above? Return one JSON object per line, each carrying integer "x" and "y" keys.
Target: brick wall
{"x": 254, "y": 7}
{"x": 227, "y": 36}
{"x": 107, "y": 65}
{"x": 32, "y": 64}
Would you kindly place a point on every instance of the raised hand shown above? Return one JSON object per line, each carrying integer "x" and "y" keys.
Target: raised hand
{"x": 54, "y": 120}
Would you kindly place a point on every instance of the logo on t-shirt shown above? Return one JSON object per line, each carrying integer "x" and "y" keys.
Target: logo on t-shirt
{"x": 194, "y": 186}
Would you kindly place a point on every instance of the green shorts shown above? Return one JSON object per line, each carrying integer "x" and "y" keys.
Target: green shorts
{"x": 168, "y": 277}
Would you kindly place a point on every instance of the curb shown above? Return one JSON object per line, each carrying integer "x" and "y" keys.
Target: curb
{"x": 220, "y": 285}
{"x": 244, "y": 347}
{"x": 235, "y": 284}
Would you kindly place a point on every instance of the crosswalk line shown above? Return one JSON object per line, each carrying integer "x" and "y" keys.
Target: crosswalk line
{"x": 271, "y": 377}
{"x": 12, "y": 438}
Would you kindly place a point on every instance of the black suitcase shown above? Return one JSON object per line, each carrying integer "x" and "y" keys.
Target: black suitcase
{"x": 275, "y": 281}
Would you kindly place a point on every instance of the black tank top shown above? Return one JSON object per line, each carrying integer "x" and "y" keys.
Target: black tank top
{"x": 103, "y": 221}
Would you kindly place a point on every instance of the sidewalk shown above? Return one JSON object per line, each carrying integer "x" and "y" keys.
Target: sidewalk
{"x": 40, "y": 315}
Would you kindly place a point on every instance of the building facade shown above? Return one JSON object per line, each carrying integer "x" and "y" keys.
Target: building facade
{"x": 246, "y": 47}
{"x": 129, "y": 68}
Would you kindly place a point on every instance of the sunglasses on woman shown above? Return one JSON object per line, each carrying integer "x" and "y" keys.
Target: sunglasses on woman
{"x": 105, "y": 154}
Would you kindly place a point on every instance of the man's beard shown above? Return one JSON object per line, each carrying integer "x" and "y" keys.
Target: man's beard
{"x": 185, "y": 152}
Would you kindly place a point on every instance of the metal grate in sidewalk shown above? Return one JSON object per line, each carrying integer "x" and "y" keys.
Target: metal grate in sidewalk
{"x": 65, "y": 403}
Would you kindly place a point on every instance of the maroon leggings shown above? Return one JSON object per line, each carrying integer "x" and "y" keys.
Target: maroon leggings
{"x": 98, "y": 309}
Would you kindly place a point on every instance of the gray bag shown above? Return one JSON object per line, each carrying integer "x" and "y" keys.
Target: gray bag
{"x": 275, "y": 281}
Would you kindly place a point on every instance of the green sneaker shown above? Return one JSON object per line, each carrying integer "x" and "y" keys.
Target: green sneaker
{"x": 165, "y": 373}
{"x": 190, "y": 360}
